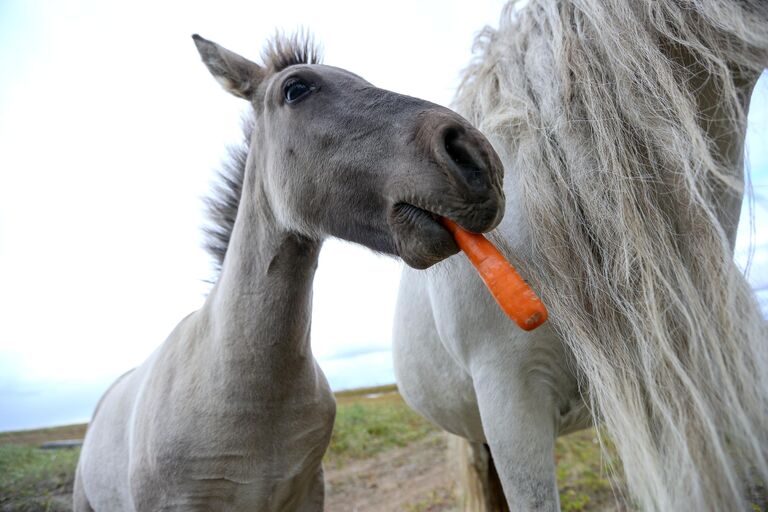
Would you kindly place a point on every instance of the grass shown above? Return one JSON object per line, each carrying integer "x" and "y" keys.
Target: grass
{"x": 583, "y": 479}
{"x": 438, "y": 499}
{"x": 372, "y": 420}
{"x": 32, "y": 479}
{"x": 368, "y": 421}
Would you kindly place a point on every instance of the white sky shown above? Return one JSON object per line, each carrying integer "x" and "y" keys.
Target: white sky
{"x": 110, "y": 128}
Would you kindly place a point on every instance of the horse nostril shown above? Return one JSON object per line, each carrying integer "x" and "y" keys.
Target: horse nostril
{"x": 466, "y": 159}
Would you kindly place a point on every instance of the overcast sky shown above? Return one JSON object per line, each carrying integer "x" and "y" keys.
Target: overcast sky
{"x": 110, "y": 128}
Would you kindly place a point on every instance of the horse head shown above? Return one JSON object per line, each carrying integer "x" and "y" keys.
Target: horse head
{"x": 337, "y": 156}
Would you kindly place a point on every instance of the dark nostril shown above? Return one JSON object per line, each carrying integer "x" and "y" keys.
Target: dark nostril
{"x": 470, "y": 166}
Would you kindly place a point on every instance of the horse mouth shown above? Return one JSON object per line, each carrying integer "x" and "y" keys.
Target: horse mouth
{"x": 416, "y": 215}
{"x": 420, "y": 238}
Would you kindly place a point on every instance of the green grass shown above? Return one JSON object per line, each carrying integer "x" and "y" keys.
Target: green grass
{"x": 31, "y": 478}
{"x": 437, "y": 499}
{"x": 362, "y": 392}
{"x": 584, "y": 480}
{"x": 366, "y": 426}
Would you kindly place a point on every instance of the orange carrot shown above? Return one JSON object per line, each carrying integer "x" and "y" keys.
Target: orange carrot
{"x": 512, "y": 293}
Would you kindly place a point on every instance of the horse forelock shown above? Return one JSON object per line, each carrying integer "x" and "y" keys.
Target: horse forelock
{"x": 284, "y": 51}
{"x": 621, "y": 188}
{"x": 222, "y": 203}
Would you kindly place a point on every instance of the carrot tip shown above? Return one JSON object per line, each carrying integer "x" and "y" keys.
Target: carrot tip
{"x": 510, "y": 291}
{"x": 533, "y": 321}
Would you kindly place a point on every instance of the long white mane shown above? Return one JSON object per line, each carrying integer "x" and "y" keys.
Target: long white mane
{"x": 622, "y": 190}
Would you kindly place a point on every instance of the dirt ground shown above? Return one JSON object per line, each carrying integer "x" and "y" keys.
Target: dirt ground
{"x": 413, "y": 478}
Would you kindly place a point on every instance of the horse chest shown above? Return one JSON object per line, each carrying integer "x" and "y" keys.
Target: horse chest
{"x": 236, "y": 458}
{"x": 224, "y": 442}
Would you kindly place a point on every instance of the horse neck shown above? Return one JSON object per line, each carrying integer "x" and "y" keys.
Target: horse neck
{"x": 261, "y": 305}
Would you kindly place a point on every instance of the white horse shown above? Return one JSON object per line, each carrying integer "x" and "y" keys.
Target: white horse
{"x": 621, "y": 125}
{"x": 232, "y": 411}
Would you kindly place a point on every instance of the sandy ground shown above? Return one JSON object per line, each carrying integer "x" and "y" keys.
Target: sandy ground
{"x": 412, "y": 478}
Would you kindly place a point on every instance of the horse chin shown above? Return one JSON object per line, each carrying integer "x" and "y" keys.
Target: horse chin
{"x": 420, "y": 239}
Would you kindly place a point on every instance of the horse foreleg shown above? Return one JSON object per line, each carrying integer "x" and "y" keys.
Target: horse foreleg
{"x": 519, "y": 425}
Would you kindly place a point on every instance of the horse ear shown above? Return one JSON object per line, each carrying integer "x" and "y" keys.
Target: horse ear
{"x": 236, "y": 74}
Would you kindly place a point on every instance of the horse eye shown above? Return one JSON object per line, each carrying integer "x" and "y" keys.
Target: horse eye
{"x": 296, "y": 90}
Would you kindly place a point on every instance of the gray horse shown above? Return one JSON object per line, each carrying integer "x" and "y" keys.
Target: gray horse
{"x": 232, "y": 412}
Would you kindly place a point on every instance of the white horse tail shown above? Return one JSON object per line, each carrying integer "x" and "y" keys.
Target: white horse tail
{"x": 621, "y": 123}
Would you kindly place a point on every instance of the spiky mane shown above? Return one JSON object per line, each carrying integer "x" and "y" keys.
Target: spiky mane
{"x": 223, "y": 201}
{"x": 284, "y": 51}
